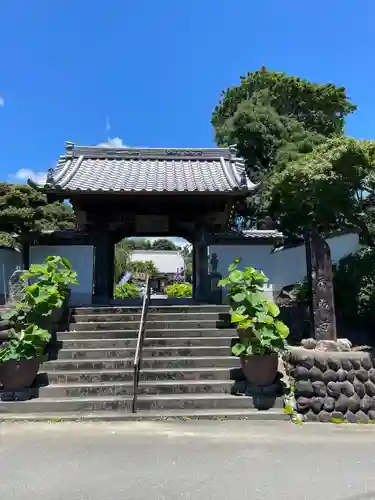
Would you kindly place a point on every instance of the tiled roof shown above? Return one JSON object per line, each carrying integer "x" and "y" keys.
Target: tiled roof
{"x": 100, "y": 169}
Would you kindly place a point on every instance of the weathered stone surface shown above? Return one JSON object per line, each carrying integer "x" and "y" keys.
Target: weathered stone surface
{"x": 317, "y": 404}
{"x": 324, "y": 416}
{"x": 330, "y": 376}
{"x": 342, "y": 404}
{"x": 370, "y": 388}
{"x": 311, "y": 416}
{"x": 346, "y": 364}
{"x": 350, "y": 417}
{"x": 334, "y": 389}
{"x": 367, "y": 363}
{"x": 334, "y": 363}
{"x": 341, "y": 375}
{"x": 350, "y": 375}
{"x": 366, "y": 403}
{"x": 308, "y": 343}
{"x": 329, "y": 403}
{"x": 371, "y": 374}
{"x": 344, "y": 344}
{"x": 315, "y": 373}
{"x": 321, "y": 362}
{"x": 347, "y": 388}
{"x": 361, "y": 374}
{"x": 303, "y": 404}
{"x": 320, "y": 389}
{"x": 354, "y": 403}
{"x": 306, "y": 361}
{"x": 303, "y": 388}
{"x": 359, "y": 388}
{"x": 300, "y": 373}
{"x": 339, "y": 415}
{"x": 361, "y": 417}
{"x": 327, "y": 345}
{"x": 356, "y": 363}
{"x": 371, "y": 415}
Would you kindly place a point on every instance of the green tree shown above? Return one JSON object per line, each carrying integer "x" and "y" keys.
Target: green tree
{"x": 123, "y": 251}
{"x": 141, "y": 244}
{"x": 331, "y": 188}
{"x": 24, "y": 210}
{"x": 163, "y": 245}
{"x": 142, "y": 267}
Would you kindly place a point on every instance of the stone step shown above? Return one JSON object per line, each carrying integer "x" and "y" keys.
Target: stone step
{"x": 133, "y": 334}
{"x": 100, "y": 318}
{"x": 154, "y": 325}
{"x": 129, "y": 352}
{"x": 149, "y": 415}
{"x": 126, "y": 388}
{"x": 152, "y": 309}
{"x": 150, "y": 362}
{"x": 148, "y": 342}
{"x": 159, "y": 374}
{"x": 124, "y": 403}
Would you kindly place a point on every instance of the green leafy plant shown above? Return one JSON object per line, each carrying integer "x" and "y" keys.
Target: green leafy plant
{"x": 256, "y": 317}
{"x": 29, "y": 343}
{"x": 179, "y": 290}
{"x": 126, "y": 291}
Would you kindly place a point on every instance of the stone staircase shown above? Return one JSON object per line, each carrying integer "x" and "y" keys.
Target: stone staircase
{"x": 187, "y": 369}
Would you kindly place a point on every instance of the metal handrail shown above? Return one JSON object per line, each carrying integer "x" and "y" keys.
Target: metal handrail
{"x": 139, "y": 348}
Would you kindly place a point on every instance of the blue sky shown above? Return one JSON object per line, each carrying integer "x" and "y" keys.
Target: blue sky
{"x": 156, "y": 67}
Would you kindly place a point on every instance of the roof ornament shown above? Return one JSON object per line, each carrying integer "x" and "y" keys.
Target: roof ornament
{"x": 69, "y": 146}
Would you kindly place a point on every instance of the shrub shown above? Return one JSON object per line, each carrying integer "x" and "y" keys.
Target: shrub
{"x": 179, "y": 290}
{"x": 126, "y": 291}
{"x": 254, "y": 315}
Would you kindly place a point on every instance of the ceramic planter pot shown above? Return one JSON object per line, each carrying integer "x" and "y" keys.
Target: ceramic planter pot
{"x": 18, "y": 375}
{"x": 260, "y": 370}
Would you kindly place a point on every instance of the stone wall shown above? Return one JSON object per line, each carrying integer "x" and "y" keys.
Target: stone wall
{"x": 332, "y": 386}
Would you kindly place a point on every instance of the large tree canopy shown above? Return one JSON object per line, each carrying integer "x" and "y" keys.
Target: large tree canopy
{"x": 24, "y": 210}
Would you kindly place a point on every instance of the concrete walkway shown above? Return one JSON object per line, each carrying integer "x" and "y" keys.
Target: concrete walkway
{"x": 186, "y": 460}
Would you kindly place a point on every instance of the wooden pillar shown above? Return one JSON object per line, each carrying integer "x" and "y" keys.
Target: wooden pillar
{"x": 103, "y": 267}
{"x": 319, "y": 272}
{"x": 201, "y": 270}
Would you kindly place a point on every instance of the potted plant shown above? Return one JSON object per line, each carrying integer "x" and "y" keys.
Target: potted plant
{"x": 261, "y": 335}
{"x": 20, "y": 357}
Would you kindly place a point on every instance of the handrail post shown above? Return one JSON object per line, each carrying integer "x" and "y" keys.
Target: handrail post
{"x": 140, "y": 339}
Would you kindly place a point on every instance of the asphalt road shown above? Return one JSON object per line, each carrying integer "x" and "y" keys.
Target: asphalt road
{"x": 187, "y": 460}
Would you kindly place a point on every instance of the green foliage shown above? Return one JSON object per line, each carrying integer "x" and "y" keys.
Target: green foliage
{"x": 24, "y": 210}
{"x": 29, "y": 343}
{"x": 179, "y": 290}
{"x": 331, "y": 188}
{"x": 47, "y": 290}
{"x": 142, "y": 267}
{"x": 126, "y": 291}
{"x": 123, "y": 251}
{"x": 163, "y": 245}
{"x": 255, "y": 316}
{"x": 354, "y": 286}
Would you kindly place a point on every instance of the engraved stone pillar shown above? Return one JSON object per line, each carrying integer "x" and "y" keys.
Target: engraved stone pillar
{"x": 319, "y": 272}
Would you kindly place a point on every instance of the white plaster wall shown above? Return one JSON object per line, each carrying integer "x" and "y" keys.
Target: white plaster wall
{"x": 284, "y": 266}
{"x": 10, "y": 260}
{"x": 81, "y": 257}
{"x": 166, "y": 261}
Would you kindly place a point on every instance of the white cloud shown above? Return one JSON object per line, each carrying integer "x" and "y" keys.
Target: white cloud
{"x": 23, "y": 174}
{"x": 2, "y": 102}
{"x": 116, "y": 142}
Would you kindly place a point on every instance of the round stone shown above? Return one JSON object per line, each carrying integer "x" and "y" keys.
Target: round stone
{"x": 300, "y": 373}
{"x": 350, "y": 417}
{"x": 338, "y": 415}
{"x": 362, "y": 375}
{"x": 367, "y": 363}
{"x": 346, "y": 364}
{"x": 303, "y": 404}
{"x": 371, "y": 374}
{"x": 311, "y": 416}
{"x": 324, "y": 416}
{"x": 350, "y": 375}
{"x": 320, "y": 388}
{"x": 347, "y": 388}
{"x": 362, "y": 417}
{"x": 354, "y": 403}
{"x": 308, "y": 343}
{"x": 366, "y": 403}
{"x": 370, "y": 388}
{"x": 371, "y": 415}
{"x": 306, "y": 361}
{"x": 342, "y": 404}
{"x": 359, "y": 388}
{"x": 356, "y": 363}
{"x": 329, "y": 403}
{"x": 321, "y": 363}
{"x": 334, "y": 363}
{"x": 372, "y": 402}
{"x": 315, "y": 373}
{"x": 303, "y": 388}
{"x": 317, "y": 404}
{"x": 329, "y": 376}
{"x": 334, "y": 389}
{"x": 341, "y": 375}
